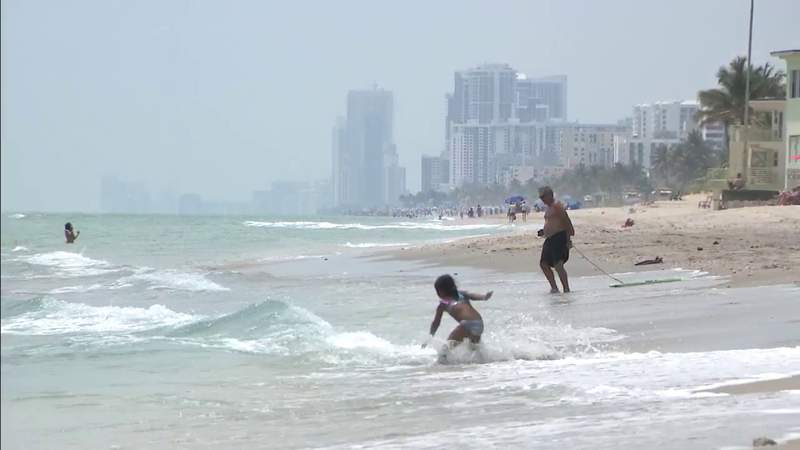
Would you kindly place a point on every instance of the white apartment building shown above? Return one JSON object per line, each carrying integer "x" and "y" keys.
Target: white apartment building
{"x": 590, "y": 145}
{"x": 662, "y": 123}
{"x": 497, "y": 117}
{"x": 664, "y": 120}
{"x": 714, "y": 134}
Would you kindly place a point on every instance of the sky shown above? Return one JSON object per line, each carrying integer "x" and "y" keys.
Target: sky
{"x": 223, "y": 98}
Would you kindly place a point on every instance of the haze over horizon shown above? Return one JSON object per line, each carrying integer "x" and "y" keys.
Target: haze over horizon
{"x": 195, "y": 97}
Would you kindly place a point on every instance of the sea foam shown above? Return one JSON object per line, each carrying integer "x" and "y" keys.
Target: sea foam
{"x": 52, "y": 317}
{"x": 69, "y": 264}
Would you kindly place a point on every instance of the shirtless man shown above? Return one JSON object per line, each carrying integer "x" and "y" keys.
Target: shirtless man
{"x": 557, "y": 232}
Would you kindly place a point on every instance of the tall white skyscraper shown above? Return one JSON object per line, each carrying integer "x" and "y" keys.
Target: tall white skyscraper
{"x": 664, "y": 120}
{"x": 663, "y": 123}
{"x": 497, "y": 117}
{"x": 541, "y": 99}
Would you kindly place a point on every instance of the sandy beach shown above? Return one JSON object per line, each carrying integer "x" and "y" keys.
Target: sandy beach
{"x": 750, "y": 246}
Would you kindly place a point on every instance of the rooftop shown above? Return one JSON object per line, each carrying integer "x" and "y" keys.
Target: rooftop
{"x": 784, "y": 53}
{"x": 668, "y": 102}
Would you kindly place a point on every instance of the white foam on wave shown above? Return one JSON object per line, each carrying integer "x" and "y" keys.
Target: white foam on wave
{"x": 17, "y": 216}
{"x": 69, "y": 264}
{"x": 173, "y": 279}
{"x": 667, "y": 375}
{"x": 74, "y": 289}
{"x": 303, "y": 225}
{"x": 58, "y": 317}
{"x": 363, "y": 347}
{"x": 376, "y": 244}
{"x": 19, "y": 248}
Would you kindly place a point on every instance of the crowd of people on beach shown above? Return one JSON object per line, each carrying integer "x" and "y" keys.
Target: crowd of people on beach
{"x": 440, "y": 212}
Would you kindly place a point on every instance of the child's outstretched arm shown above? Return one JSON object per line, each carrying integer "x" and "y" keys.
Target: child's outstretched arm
{"x": 485, "y": 296}
{"x": 437, "y": 319}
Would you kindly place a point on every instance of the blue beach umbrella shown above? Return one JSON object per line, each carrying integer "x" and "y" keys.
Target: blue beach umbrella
{"x": 515, "y": 199}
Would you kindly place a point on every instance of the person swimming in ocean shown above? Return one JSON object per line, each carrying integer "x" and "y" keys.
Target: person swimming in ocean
{"x": 457, "y": 304}
{"x": 70, "y": 234}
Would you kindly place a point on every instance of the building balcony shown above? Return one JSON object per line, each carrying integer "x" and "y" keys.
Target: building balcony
{"x": 755, "y": 134}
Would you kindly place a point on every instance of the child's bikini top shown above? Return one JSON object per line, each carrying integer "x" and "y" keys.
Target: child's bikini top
{"x": 450, "y": 303}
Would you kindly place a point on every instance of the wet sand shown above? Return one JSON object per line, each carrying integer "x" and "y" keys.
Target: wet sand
{"x": 760, "y": 387}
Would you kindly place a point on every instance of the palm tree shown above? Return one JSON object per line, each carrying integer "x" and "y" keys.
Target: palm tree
{"x": 661, "y": 162}
{"x": 726, "y": 103}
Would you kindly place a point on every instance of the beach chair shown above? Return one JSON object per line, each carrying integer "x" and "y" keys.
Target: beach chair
{"x": 704, "y": 204}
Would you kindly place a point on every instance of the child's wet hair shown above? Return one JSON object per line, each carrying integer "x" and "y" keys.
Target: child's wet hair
{"x": 446, "y": 286}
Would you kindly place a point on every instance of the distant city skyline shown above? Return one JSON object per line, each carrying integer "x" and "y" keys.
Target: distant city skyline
{"x": 194, "y": 98}
{"x": 497, "y": 117}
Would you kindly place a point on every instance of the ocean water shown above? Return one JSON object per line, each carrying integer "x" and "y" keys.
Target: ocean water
{"x": 254, "y": 332}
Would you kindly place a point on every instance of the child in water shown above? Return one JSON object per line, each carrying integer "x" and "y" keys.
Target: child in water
{"x": 457, "y": 304}
{"x": 70, "y": 234}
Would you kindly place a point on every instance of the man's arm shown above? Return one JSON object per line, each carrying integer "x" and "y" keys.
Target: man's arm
{"x": 570, "y": 228}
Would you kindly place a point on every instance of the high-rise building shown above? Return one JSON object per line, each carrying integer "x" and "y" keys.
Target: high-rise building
{"x": 484, "y": 94}
{"x": 714, "y": 133}
{"x": 664, "y": 120}
{"x": 344, "y": 167}
{"x": 120, "y": 197}
{"x": 435, "y": 172}
{"x": 541, "y": 99}
{"x": 496, "y": 118}
{"x": 364, "y": 155}
{"x": 590, "y": 145}
{"x": 663, "y": 123}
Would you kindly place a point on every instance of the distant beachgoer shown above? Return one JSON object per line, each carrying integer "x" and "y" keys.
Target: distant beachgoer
{"x": 525, "y": 210}
{"x": 479, "y": 210}
{"x": 737, "y": 184}
{"x": 557, "y": 232}
{"x": 512, "y": 216}
{"x": 70, "y": 234}
{"x": 457, "y": 304}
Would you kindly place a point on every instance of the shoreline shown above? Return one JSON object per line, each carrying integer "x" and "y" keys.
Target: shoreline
{"x": 749, "y": 246}
{"x": 791, "y": 383}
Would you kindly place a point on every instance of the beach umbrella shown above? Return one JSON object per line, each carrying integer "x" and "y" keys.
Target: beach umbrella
{"x": 515, "y": 199}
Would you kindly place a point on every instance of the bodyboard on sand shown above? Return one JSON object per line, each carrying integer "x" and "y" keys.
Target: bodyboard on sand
{"x": 644, "y": 282}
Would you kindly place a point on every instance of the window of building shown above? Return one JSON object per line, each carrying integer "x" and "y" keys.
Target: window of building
{"x": 795, "y": 88}
{"x": 794, "y": 150}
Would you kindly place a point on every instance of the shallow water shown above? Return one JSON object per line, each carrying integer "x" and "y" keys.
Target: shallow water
{"x": 275, "y": 333}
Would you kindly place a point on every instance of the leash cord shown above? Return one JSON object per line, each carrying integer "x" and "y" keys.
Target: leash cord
{"x": 596, "y": 266}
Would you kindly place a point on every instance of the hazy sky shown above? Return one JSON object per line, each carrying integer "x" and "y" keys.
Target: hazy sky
{"x": 221, "y": 98}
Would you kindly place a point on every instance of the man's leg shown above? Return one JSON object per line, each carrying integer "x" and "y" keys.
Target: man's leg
{"x": 562, "y": 275}
{"x": 548, "y": 273}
